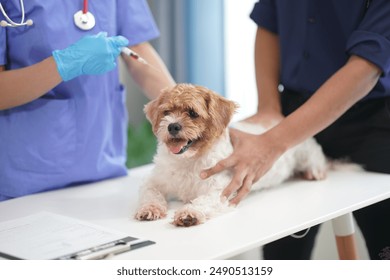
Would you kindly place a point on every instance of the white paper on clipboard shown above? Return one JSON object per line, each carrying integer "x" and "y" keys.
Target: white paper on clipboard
{"x": 44, "y": 236}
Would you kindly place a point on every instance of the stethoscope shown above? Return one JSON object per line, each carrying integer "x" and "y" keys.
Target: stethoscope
{"x": 83, "y": 19}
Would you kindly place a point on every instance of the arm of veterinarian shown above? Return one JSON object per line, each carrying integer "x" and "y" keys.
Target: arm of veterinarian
{"x": 254, "y": 155}
{"x": 149, "y": 79}
{"x": 20, "y": 86}
{"x": 39, "y": 78}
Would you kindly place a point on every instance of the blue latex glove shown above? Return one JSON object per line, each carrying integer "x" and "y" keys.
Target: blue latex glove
{"x": 91, "y": 55}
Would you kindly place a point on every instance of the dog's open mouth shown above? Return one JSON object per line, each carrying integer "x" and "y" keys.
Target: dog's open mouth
{"x": 179, "y": 146}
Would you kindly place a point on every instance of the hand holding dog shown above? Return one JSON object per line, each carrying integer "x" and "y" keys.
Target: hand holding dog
{"x": 252, "y": 157}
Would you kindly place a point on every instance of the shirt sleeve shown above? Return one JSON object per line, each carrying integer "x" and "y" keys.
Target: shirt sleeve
{"x": 264, "y": 15}
{"x": 136, "y": 22}
{"x": 371, "y": 40}
{"x": 3, "y": 47}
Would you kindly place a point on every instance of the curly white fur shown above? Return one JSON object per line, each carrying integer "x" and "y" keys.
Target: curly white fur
{"x": 178, "y": 176}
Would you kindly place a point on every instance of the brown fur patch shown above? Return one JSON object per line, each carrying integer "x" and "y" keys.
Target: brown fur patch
{"x": 202, "y": 114}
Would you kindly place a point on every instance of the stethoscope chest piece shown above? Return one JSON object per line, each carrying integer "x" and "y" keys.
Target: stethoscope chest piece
{"x": 84, "y": 21}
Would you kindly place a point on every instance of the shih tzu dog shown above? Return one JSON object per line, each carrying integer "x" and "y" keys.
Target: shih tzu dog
{"x": 191, "y": 125}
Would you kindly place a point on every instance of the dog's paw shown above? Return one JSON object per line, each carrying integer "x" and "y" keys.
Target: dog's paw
{"x": 151, "y": 212}
{"x": 315, "y": 173}
{"x": 187, "y": 217}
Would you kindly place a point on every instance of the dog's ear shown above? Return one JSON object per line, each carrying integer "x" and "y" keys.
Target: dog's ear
{"x": 151, "y": 110}
{"x": 220, "y": 109}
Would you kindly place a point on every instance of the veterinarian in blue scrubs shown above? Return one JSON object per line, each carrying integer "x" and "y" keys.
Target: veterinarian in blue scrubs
{"x": 63, "y": 119}
{"x": 333, "y": 59}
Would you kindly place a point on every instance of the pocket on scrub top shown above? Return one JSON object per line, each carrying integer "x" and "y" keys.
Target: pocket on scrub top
{"x": 42, "y": 136}
{"x": 120, "y": 120}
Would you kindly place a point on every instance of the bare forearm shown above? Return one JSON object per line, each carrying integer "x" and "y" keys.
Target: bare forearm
{"x": 24, "y": 85}
{"x": 267, "y": 64}
{"x": 150, "y": 80}
{"x": 347, "y": 86}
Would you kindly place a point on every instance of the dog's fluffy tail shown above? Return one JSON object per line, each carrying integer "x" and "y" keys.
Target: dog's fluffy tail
{"x": 344, "y": 165}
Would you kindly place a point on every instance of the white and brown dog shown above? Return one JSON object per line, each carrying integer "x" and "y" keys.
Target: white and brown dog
{"x": 191, "y": 125}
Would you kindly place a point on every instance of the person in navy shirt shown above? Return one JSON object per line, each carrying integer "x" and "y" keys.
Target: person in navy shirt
{"x": 323, "y": 70}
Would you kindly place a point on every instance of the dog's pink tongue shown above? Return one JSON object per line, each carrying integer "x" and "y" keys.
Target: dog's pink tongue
{"x": 175, "y": 149}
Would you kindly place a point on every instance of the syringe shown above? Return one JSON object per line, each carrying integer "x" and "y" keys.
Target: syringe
{"x": 137, "y": 57}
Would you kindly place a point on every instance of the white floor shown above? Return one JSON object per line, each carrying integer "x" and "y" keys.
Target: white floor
{"x": 325, "y": 248}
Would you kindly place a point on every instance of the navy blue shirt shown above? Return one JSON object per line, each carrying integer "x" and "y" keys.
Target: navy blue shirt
{"x": 317, "y": 38}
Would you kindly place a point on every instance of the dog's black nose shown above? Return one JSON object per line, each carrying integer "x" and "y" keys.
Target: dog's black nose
{"x": 174, "y": 128}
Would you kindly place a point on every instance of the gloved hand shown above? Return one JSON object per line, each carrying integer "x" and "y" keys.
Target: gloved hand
{"x": 91, "y": 55}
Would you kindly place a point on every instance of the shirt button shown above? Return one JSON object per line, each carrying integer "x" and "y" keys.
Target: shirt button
{"x": 306, "y": 55}
{"x": 311, "y": 20}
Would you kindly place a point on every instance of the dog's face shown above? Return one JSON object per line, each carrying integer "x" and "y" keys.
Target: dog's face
{"x": 189, "y": 118}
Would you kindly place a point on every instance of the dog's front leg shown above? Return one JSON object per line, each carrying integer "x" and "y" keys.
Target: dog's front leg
{"x": 152, "y": 204}
{"x": 199, "y": 210}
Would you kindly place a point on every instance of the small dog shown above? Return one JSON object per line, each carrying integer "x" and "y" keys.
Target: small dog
{"x": 191, "y": 125}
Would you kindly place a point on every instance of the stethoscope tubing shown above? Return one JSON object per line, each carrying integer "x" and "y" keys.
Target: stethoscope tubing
{"x": 10, "y": 21}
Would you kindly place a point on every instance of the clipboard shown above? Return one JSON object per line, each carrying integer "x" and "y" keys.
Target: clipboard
{"x": 110, "y": 249}
{"x": 50, "y": 236}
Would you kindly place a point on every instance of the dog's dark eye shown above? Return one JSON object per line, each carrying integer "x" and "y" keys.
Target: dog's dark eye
{"x": 193, "y": 114}
{"x": 166, "y": 113}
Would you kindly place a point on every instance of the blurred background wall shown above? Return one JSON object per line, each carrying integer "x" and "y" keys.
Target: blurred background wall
{"x": 204, "y": 42}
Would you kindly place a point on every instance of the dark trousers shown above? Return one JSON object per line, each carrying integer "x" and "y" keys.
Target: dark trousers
{"x": 361, "y": 135}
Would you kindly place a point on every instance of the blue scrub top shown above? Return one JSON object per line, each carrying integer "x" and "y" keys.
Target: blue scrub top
{"x": 76, "y": 133}
{"x": 317, "y": 38}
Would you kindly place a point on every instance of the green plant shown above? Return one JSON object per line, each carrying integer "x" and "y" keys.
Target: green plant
{"x": 141, "y": 145}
